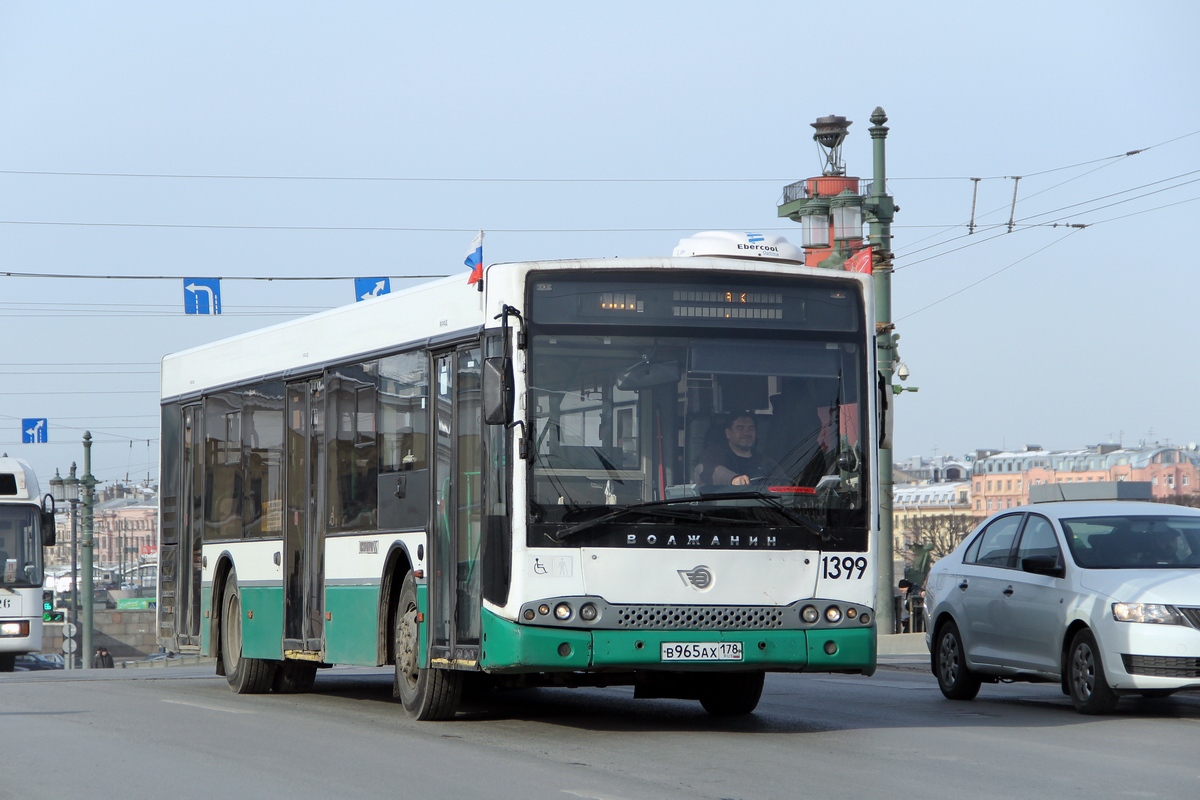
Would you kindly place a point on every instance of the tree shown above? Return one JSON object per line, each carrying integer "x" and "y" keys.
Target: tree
{"x": 1190, "y": 500}
{"x": 926, "y": 539}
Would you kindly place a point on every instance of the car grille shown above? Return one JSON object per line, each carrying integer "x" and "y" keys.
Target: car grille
{"x": 699, "y": 617}
{"x": 1162, "y": 666}
{"x": 1191, "y": 614}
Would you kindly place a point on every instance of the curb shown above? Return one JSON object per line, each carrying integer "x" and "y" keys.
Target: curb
{"x": 180, "y": 661}
{"x": 902, "y": 644}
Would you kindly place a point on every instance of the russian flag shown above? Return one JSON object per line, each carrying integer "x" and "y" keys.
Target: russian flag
{"x": 474, "y": 259}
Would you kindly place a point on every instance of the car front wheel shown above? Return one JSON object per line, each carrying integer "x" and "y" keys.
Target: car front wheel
{"x": 1090, "y": 692}
{"x": 950, "y": 665}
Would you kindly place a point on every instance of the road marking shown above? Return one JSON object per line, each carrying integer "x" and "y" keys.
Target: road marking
{"x": 590, "y": 795}
{"x": 209, "y": 708}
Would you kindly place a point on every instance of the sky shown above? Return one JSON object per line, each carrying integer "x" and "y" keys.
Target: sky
{"x": 144, "y": 143}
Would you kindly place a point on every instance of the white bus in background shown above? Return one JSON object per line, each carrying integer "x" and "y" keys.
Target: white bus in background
{"x": 26, "y": 527}
{"x": 503, "y": 485}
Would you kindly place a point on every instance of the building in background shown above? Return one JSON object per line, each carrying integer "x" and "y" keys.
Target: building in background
{"x": 125, "y": 531}
{"x": 1001, "y": 480}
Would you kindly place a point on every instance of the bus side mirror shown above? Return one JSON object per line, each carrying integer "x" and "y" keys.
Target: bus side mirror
{"x": 49, "y": 532}
{"x": 497, "y": 390}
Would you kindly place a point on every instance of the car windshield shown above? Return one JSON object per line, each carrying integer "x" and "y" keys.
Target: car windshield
{"x": 1134, "y": 541}
{"x": 20, "y": 547}
{"x": 674, "y": 425}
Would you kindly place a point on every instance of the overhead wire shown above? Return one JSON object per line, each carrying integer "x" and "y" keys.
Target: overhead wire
{"x": 989, "y": 276}
{"x": 509, "y": 179}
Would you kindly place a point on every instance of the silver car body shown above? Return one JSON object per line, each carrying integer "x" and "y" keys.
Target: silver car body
{"x": 1019, "y": 624}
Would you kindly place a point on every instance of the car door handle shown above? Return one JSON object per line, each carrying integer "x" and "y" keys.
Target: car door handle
{"x": 1008, "y": 592}
{"x": 963, "y": 585}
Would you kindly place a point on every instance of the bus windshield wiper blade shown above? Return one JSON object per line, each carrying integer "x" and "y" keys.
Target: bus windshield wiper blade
{"x": 663, "y": 508}
{"x": 653, "y": 509}
{"x": 773, "y": 502}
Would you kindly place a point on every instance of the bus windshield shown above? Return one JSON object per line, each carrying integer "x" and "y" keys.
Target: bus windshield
{"x": 20, "y": 547}
{"x": 720, "y": 431}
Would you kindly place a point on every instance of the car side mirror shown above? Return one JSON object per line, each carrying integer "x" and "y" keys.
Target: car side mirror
{"x": 1043, "y": 565}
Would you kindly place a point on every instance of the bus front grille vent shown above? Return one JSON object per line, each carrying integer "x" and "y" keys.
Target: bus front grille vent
{"x": 699, "y": 618}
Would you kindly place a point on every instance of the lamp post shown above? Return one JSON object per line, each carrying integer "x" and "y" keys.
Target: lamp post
{"x": 879, "y": 209}
{"x": 66, "y": 490}
{"x": 88, "y": 484}
{"x": 832, "y": 209}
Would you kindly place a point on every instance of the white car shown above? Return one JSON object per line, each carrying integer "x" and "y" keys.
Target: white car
{"x": 1102, "y": 596}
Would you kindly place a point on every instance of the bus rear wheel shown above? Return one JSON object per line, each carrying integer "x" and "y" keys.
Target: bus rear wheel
{"x": 245, "y": 675}
{"x": 427, "y": 694}
{"x": 732, "y": 693}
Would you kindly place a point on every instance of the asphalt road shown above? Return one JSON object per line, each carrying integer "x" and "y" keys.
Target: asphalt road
{"x": 180, "y": 733}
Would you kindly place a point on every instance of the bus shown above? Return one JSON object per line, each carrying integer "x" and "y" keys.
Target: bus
{"x": 26, "y": 527}
{"x": 505, "y": 485}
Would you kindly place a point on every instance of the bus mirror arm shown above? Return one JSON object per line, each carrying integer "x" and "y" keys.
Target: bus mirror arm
{"x": 524, "y": 445}
{"x": 507, "y": 311}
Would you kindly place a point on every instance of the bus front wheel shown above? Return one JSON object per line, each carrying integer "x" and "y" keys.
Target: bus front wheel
{"x": 727, "y": 694}
{"x": 245, "y": 675}
{"x": 427, "y": 694}
{"x": 8, "y": 662}
{"x": 294, "y": 677}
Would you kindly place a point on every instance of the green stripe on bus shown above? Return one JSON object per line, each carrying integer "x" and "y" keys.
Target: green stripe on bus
{"x": 262, "y": 634}
{"x": 423, "y": 627}
{"x": 206, "y": 604}
{"x": 351, "y": 633}
{"x": 854, "y": 648}
{"x": 642, "y": 648}
{"x": 509, "y": 647}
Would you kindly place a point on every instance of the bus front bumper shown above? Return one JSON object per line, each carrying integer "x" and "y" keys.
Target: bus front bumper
{"x": 512, "y": 648}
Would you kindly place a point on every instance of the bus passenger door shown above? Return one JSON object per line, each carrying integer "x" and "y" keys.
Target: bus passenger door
{"x": 454, "y": 577}
{"x": 303, "y": 540}
{"x": 191, "y": 527}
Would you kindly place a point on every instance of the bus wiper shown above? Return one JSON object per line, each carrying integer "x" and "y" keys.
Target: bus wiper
{"x": 657, "y": 508}
{"x": 662, "y": 508}
{"x": 787, "y": 513}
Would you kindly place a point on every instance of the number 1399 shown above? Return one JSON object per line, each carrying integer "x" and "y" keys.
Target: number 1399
{"x": 848, "y": 567}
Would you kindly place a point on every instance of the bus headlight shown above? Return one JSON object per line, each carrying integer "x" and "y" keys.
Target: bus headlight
{"x": 14, "y": 628}
{"x": 810, "y": 614}
{"x": 833, "y": 614}
{"x": 562, "y": 611}
{"x": 588, "y": 612}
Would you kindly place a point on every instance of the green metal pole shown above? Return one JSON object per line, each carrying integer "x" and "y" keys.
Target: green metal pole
{"x": 89, "y": 499}
{"x": 881, "y": 210}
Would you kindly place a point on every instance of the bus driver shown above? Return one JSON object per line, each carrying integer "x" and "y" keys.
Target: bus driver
{"x": 735, "y": 462}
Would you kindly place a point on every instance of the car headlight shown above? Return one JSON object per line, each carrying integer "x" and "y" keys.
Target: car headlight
{"x": 1147, "y": 612}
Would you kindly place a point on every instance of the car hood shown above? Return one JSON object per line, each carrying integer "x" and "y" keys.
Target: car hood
{"x": 1173, "y": 586}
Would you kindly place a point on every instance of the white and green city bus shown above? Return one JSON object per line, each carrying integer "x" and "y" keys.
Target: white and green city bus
{"x": 26, "y": 527}
{"x": 504, "y": 485}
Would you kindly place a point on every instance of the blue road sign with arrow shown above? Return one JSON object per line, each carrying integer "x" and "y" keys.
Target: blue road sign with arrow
{"x": 202, "y": 295}
{"x": 33, "y": 431}
{"x": 366, "y": 288}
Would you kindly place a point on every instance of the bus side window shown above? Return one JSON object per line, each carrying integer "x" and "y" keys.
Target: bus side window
{"x": 403, "y": 436}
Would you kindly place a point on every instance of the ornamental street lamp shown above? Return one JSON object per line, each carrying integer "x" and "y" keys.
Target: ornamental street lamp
{"x": 832, "y": 209}
{"x": 88, "y": 485}
{"x": 66, "y": 490}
